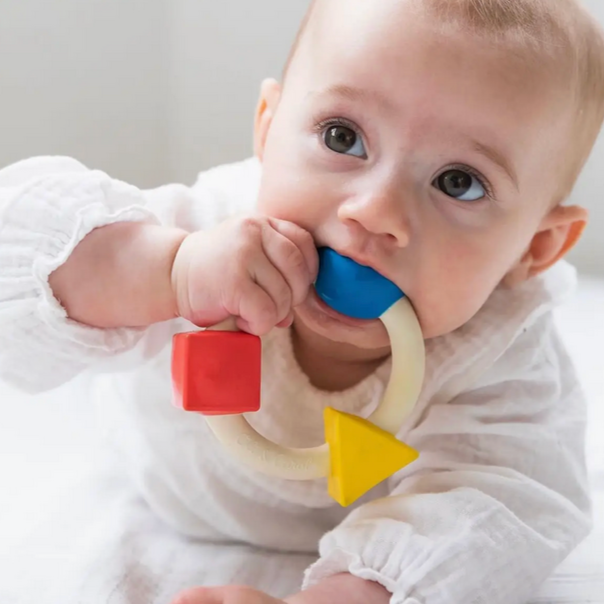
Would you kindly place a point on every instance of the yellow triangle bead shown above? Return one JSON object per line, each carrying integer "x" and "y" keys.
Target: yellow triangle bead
{"x": 361, "y": 455}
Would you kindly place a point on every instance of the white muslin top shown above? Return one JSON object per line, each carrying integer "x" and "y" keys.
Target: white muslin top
{"x": 497, "y": 499}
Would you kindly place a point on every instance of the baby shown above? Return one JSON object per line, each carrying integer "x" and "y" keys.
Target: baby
{"x": 433, "y": 140}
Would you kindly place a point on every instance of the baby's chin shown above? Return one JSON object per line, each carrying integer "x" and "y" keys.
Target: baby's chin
{"x": 438, "y": 324}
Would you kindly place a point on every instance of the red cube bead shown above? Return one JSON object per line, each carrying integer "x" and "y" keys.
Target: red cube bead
{"x": 217, "y": 372}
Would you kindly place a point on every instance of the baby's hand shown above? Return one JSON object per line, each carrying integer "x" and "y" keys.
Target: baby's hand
{"x": 254, "y": 268}
{"x": 225, "y": 595}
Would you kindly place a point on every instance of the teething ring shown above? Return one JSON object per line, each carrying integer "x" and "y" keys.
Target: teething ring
{"x": 358, "y": 453}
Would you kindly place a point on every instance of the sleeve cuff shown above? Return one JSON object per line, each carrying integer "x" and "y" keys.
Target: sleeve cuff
{"x": 374, "y": 551}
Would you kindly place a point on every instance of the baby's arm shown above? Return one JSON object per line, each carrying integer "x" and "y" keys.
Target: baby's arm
{"x": 88, "y": 262}
{"x": 497, "y": 499}
{"x": 120, "y": 276}
{"x": 47, "y": 207}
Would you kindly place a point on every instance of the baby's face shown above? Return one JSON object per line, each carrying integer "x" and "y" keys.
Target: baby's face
{"x": 432, "y": 159}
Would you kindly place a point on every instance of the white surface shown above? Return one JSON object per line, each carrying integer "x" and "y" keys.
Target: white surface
{"x": 155, "y": 90}
{"x": 581, "y": 578}
{"x": 47, "y": 442}
{"x": 45, "y": 446}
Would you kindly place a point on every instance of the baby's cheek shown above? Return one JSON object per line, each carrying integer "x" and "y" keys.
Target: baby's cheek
{"x": 445, "y": 309}
{"x": 279, "y": 198}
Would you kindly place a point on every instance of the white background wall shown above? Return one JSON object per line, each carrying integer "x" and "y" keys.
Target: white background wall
{"x": 589, "y": 256}
{"x": 221, "y": 52}
{"x": 86, "y": 78}
{"x": 155, "y": 90}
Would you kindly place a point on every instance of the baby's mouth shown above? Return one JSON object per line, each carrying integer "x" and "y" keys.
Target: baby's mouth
{"x": 316, "y": 304}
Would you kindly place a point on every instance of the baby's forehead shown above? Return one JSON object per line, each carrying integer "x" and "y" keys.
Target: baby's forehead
{"x": 524, "y": 27}
{"x": 368, "y": 44}
{"x": 359, "y": 33}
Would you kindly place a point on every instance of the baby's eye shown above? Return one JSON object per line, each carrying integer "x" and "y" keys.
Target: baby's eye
{"x": 460, "y": 185}
{"x": 344, "y": 140}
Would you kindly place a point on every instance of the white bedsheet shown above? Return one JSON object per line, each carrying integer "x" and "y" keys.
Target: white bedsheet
{"x": 47, "y": 446}
{"x": 581, "y": 578}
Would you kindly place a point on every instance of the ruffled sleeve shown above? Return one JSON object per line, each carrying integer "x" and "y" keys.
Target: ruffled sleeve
{"x": 47, "y": 206}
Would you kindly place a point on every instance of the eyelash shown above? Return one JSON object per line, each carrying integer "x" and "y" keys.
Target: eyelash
{"x": 322, "y": 126}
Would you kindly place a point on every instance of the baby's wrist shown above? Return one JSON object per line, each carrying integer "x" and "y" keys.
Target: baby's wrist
{"x": 177, "y": 238}
{"x": 179, "y": 279}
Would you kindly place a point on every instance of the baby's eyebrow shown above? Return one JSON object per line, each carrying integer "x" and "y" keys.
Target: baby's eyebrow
{"x": 498, "y": 158}
{"x": 352, "y": 93}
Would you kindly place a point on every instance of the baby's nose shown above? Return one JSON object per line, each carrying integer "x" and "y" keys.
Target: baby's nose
{"x": 379, "y": 214}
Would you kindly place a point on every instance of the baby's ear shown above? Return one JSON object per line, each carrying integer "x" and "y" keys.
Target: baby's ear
{"x": 557, "y": 235}
{"x": 270, "y": 94}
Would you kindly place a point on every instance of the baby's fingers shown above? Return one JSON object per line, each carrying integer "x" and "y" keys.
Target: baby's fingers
{"x": 265, "y": 298}
{"x": 292, "y": 252}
